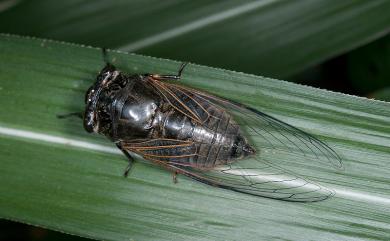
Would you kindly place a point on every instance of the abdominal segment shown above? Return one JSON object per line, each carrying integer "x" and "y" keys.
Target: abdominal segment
{"x": 217, "y": 141}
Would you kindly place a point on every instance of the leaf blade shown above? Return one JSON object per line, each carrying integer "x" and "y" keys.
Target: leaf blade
{"x": 81, "y": 191}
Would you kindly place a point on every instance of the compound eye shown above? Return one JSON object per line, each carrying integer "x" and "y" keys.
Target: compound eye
{"x": 106, "y": 77}
{"x": 102, "y": 76}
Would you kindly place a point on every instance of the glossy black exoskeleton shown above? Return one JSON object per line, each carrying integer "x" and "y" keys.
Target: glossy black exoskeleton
{"x": 200, "y": 135}
{"x": 134, "y": 109}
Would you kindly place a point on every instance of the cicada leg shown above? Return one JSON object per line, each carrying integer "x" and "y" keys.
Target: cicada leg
{"x": 169, "y": 76}
{"x": 129, "y": 158}
{"x": 174, "y": 177}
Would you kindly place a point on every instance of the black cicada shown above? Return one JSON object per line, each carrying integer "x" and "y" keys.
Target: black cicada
{"x": 207, "y": 138}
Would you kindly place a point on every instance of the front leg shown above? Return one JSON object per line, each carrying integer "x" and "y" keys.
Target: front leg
{"x": 169, "y": 76}
{"x": 129, "y": 157}
{"x": 174, "y": 177}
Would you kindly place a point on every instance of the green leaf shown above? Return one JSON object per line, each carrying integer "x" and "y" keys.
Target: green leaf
{"x": 267, "y": 37}
{"x": 55, "y": 175}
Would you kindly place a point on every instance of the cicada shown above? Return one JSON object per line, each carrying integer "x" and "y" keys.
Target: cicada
{"x": 207, "y": 138}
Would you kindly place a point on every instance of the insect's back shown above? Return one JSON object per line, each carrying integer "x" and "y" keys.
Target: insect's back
{"x": 172, "y": 136}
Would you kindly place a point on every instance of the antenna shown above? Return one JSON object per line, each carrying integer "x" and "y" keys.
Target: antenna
{"x": 76, "y": 114}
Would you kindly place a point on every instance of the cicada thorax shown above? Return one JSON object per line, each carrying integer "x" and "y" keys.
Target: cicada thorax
{"x": 138, "y": 111}
{"x": 132, "y": 111}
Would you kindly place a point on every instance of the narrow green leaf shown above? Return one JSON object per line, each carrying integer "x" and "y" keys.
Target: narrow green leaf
{"x": 55, "y": 175}
{"x": 268, "y": 37}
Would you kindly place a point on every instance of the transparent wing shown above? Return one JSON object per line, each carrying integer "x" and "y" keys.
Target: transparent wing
{"x": 257, "y": 175}
{"x": 269, "y": 134}
{"x": 164, "y": 150}
{"x": 259, "y": 178}
{"x": 253, "y": 176}
{"x": 272, "y": 139}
